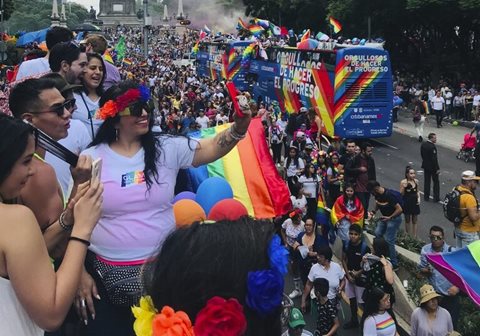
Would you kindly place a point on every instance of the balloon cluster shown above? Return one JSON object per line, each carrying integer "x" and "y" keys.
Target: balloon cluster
{"x": 214, "y": 197}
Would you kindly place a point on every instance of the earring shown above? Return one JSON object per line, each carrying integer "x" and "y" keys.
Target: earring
{"x": 116, "y": 134}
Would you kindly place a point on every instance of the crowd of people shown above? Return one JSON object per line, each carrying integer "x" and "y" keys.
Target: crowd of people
{"x": 114, "y": 239}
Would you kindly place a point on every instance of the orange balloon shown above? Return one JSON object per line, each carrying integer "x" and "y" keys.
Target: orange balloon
{"x": 187, "y": 211}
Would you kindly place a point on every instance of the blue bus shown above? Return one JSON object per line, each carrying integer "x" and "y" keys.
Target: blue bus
{"x": 350, "y": 88}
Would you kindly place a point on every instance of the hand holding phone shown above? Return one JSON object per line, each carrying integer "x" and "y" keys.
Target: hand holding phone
{"x": 96, "y": 170}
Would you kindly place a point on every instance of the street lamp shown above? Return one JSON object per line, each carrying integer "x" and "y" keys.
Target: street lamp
{"x": 145, "y": 28}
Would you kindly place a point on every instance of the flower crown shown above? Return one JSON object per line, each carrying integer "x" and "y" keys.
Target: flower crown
{"x": 121, "y": 104}
{"x": 220, "y": 316}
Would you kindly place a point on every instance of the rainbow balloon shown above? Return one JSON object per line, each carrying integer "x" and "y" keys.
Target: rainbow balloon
{"x": 461, "y": 268}
{"x": 250, "y": 171}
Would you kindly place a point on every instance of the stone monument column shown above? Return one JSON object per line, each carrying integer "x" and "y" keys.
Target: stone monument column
{"x": 114, "y": 12}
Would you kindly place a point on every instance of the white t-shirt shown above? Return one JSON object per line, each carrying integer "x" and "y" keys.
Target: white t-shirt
{"x": 292, "y": 167}
{"x": 77, "y": 140}
{"x": 134, "y": 221}
{"x": 448, "y": 98}
{"x": 309, "y": 185}
{"x": 202, "y": 121}
{"x": 84, "y": 109}
{"x": 438, "y": 103}
{"x": 379, "y": 325}
{"x": 300, "y": 203}
{"x": 476, "y": 100}
{"x": 33, "y": 67}
{"x": 223, "y": 118}
{"x": 292, "y": 231}
{"x": 334, "y": 274}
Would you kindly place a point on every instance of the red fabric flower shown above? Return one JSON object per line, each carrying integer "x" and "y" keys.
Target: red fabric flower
{"x": 220, "y": 317}
{"x": 108, "y": 110}
{"x": 127, "y": 99}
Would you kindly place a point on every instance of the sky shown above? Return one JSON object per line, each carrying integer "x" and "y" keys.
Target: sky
{"x": 87, "y": 3}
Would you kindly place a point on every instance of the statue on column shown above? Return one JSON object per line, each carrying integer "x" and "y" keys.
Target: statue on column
{"x": 93, "y": 13}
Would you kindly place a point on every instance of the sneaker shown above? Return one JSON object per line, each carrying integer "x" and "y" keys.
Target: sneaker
{"x": 294, "y": 294}
{"x": 351, "y": 325}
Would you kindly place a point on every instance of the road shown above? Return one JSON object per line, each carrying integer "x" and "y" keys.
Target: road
{"x": 393, "y": 154}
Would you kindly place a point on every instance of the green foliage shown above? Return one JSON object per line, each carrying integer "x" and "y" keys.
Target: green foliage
{"x": 8, "y": 8}
{"x": 24, "y": 18}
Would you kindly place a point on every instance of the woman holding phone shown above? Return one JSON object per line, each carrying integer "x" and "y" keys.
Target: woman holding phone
{"x": 34, "y": 298}
{"x": 139, "y": 173}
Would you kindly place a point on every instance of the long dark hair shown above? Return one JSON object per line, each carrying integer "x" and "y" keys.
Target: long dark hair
{"x": 380, "y": 247}
{"x": 295, "y": 159}
{"x": 106, "y": 133}
{"x": 307, "y": 171}
{"x": 372, "y": 304}
{"x": 189, "y": 269}
{"x": 348, "y": 185}
{"x": 13, "y": 143}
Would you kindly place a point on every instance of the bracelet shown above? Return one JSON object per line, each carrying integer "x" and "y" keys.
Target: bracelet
{"x": 80, "y": 240}
{"x": 61, "y": 221}
{"x": 235, "y": 134}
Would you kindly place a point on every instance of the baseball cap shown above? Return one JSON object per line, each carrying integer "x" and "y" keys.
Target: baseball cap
{"x": 469, "y": 175}
{"x": 300, "y": 134}
{"x": 296, "y": 318}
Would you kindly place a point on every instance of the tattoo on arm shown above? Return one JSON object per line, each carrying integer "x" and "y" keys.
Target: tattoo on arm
{"x": 225, "y": 141}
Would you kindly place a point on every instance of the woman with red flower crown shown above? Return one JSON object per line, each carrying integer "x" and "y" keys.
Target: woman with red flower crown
{"x": 227, "y": 277}
{"x": 139, "y": 174}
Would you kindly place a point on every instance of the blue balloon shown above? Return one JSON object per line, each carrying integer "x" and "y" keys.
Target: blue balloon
{"x": 184, "y": 195}
{"x": 211, "y": 191}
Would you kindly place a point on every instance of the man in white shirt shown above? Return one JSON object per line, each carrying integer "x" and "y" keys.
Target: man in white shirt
{"x": 438, "y": 106}
{"x": 40, "y": 65}
{"x": 476, "y": 104}
{"x": 448, "y": 102}
{"x": 202, "y": 120}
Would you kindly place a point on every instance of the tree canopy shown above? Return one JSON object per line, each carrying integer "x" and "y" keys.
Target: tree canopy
{"x": 419, "y": 33}
{"x": 32, "y": 15}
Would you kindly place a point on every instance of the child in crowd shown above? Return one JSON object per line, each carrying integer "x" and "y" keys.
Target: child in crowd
{"x": 327, "y": 320}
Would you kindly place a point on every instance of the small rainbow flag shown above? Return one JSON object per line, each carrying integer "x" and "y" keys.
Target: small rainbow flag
{"x": 263, "y": 23}
{"x": 256, "y": 29}
{"x": 250, "y": 171}
{"x": 305, "y": 36}
{"x": 195, "y": 48}
{"x": 108, "y": 57}
{"x": 335, "y": 24}
{"x": 339, "y": 211}
{"x": 127, "y": 61}
{"x": 322, "y": 216}
{"x": 248, "y": 54}
{"x": 241, "y": 25}
{"x": 461, "y": 268}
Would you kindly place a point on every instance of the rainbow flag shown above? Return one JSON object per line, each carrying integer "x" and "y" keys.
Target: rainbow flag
{"x": 241, "y": 25}
{"x": 335, "y": 24}
{"x": 248, "y": 54}
{"x": 305, "y": 36}
{"x": 108, "y": 57}
{"x": 263, "y": 23}
{"x": 195, "y": 48}
{"x": 461, "y": 268}
{"x": 250, "y": 170}
{"x": 340, "y": 211}
{"x": 322, "y": 217}
{"x": 256, "y": 29}
{"x": 127, "y": 61}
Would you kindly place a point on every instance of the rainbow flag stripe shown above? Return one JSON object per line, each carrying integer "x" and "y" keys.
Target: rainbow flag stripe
{"x": 339, "y": 211}
{"x": 335, "y": 24}
{"x": 346, "y": 98}
{"x": 250, "y": 170}
{"x": 386, "y": 324}
{"x": 461, "y": 268}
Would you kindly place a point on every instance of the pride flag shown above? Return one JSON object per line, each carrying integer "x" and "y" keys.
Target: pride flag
{"x": 241, "y": 25}
{"x": 256, "y": 29}
{"x": 127, "y": 61}
{"x": 339, "y": 211}
{"x": 108, "y": 57}
{"x": 322, "y": 216}
{"x": 250, "y": 170}
{"x": 263, "y": 23}
{"x": 305, "y": 36}
{"x": 335, "y": 24}
{"x": 461, "y": 268}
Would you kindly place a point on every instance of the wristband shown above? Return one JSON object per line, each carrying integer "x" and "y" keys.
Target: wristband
{"x": 61, "y": 221}
{"x": 80, "y": 240}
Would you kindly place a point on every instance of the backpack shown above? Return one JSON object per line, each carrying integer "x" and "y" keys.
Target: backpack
{"x": 397, "y": 195}
{"x": 451, "y": 206}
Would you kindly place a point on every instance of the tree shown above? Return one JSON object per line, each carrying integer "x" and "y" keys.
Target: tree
{"x": 8, "y": 8}
{"x": 24, "y": 18}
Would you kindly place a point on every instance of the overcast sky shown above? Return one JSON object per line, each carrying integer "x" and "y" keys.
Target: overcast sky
{"x": 87, "y": 3}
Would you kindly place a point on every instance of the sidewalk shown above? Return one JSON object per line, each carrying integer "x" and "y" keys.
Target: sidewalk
{"x": 448, "y": 136}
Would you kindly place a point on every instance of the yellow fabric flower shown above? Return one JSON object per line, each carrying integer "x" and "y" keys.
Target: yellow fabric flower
{"x": 144, "y": 317}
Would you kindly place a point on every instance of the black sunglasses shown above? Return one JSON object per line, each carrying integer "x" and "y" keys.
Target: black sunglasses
{"x": 136, "y": 109}
{"x": 434, "y": 237}
{"x": 59, "y": 110}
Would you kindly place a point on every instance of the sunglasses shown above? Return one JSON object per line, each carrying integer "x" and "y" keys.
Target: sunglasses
{"x": 435, "y": 238}
{"x": 137, "y": 109}
{"x": 59, "y": 110}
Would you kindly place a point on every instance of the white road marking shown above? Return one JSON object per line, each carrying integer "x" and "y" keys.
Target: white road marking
{"x": 385, "y": 144}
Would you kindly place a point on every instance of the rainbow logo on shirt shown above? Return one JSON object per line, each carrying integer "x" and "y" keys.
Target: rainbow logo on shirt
{"x": 385, "y": 324}
{"x": 133, "y": 178}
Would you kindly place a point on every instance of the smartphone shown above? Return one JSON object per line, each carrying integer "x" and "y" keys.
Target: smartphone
{"x": 232, "y": 90}
{"x": 96, "y": 170}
